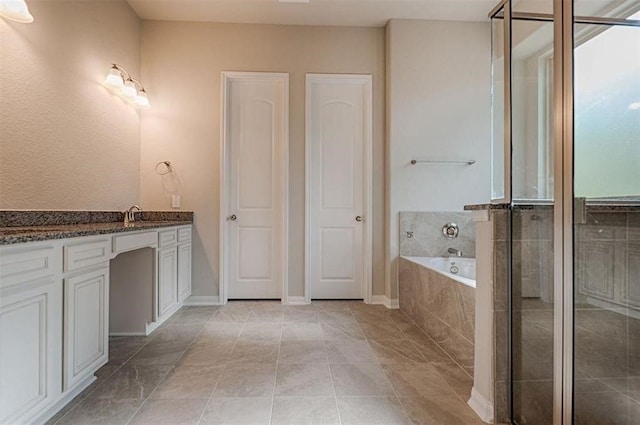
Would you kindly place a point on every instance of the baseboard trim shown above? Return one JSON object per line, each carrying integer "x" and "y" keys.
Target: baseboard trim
{"x": 66, "y": 399}
{"x": 482, "y": 406}
{"x": 385, "y": 301}
{"x": 202, "y": 300}
{"x": 128, "y": 334}
{"x": 296, "y": 301}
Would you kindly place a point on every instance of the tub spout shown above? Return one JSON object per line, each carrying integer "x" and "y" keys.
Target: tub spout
{"x": 455, "y": 252}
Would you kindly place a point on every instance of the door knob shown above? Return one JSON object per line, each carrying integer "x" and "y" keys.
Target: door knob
{"x": 233, "y": 217}
{"x": 358, "y": 218}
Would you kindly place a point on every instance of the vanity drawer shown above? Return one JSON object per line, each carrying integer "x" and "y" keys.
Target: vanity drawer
{"x": 134, "y": 241}
{"x": 167, "y": 238}
{"x": 26, "y": 265}
{"x": 86, "y": 254}
{"x": 184, "y": 234}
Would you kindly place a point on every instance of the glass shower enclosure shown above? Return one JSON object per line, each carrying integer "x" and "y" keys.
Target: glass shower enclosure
{"x": 566, "y": 163}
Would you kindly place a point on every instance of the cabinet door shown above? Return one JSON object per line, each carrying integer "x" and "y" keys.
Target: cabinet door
{"x": 86, "y": 325}
{"x": 30, "y": 349}
{"x": 184, "y": 271}
{"x": 595, "y": 269}
{"x": 167, "y": 279}
{"x": 629, "y": 272}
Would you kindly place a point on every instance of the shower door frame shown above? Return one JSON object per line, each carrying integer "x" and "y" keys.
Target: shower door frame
{"x": 563, "y": 18}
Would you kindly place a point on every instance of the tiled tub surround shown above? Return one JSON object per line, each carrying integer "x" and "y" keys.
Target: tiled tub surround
{"x": 442, "y": 307}
{"x": 427, "y": 239}
{"x": 262, "y": 363}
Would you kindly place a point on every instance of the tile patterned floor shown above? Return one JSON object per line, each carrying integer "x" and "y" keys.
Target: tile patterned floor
{"x": 254, "y": 363}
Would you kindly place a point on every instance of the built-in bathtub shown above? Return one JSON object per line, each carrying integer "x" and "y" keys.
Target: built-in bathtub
{"x": 438, "y": 293}
{"x": 461, "y": 270}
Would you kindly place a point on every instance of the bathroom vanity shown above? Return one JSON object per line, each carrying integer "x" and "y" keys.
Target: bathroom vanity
{"x": 55, "y": 303}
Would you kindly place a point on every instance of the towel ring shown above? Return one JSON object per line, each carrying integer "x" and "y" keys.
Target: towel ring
{"x": 163, "y": 171}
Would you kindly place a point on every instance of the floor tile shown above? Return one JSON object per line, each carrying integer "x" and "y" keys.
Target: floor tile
{"x": 439, "y": 409}
{"x": 303, "y": 380}
{"x": 350, "y": 352}
{"x": 170, "y": 412}
{"x": 456, "y": 377}
{"x": 359, "y": 379}
{"x": 305, "y": 411}
{"x": 230, "y": 315}
{"x": 220, "y": 332}
{"x": 336, "y": 331}
{"x": 395, "y": 351}
{"x": 261, "y": 332}
{"x": 123, "y": 348}
{"x": 339, "y": 316}
{"x": 238, "y": 411}
{"x": 247, "y": 380}
{"x": 302, "y": 352}
{"x": 160, "y": 353}
{"x": 332, "y": 305}
{"x": 382, "y": 330}
{"x": 296, "y": 316}
{"x": 207, "y": 353}
{"x": 302, "y": 332}
{"x": 188, "y": 382}
{"x": 131, "y": 382}
{"x": 372, "y": 411}
{"x": 255, "y": 351}
{"x": 415, "y": 380}
{"x": 103, "y": 412}
{"x": 266, "y": 316}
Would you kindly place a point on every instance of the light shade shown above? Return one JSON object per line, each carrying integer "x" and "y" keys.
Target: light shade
{"x": 114, "y": 79}
{"x": 15, "y": 10}
{"x": 129, "y": 89}
{"x": 142, "y": 100}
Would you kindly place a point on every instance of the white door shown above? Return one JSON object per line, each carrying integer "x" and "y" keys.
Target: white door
{"x": 338, "y": 123}
{"x": 255, "y": 134}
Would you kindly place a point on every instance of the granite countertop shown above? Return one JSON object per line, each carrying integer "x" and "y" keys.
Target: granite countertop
{"x": 33, "y": 226}
{"x": 12, "y": 235}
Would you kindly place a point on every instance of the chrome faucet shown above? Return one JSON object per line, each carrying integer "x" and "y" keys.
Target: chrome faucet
{"x": 130, "y": 214}
{"x": 455, "y": 252}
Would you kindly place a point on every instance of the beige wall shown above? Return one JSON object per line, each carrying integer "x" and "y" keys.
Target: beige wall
{"x": 438, "y": 107}
{"x": 65, "y": 141}
{"x": 181, "y": 65}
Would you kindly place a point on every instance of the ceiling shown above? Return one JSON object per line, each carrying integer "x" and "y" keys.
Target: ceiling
{"x": 370, "y": 13}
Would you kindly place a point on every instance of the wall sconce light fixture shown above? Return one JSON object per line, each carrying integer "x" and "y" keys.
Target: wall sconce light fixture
{"x": 130, "y": 89}
{"x": 15, "y": 10}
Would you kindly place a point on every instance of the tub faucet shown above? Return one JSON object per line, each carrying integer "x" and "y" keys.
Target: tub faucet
{"x": 455, "y": 252}
{"x": 129, "y": 215}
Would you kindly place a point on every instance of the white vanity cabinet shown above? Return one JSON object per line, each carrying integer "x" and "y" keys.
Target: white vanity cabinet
{"x": 30, "y": 332}
{"x": 167, "y": 281}
{"x": 174, "y": 269}
{"x": 184, "y": 271}
{"x": 54, "y": 312}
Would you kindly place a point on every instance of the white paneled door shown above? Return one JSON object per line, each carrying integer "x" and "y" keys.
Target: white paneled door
{"x": 338, "y": 143}
{"x": 255, "y": 129}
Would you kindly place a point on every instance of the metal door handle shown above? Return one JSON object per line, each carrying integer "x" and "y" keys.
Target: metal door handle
{"x": 358, "y": 218}
{"x": 233, "y": 217}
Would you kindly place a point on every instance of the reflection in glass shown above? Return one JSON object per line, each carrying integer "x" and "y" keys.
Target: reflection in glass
{"x": 607, "y": 239}
{"x": 532, "y": 88}
{"x": 497, "y": 109}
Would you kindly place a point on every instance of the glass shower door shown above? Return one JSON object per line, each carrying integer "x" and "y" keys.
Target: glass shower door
{"x": 606, "y": 190}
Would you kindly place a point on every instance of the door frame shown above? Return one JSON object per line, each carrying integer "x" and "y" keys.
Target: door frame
{"x": 367, "y": 81}
{"x": 226, "y": 78}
